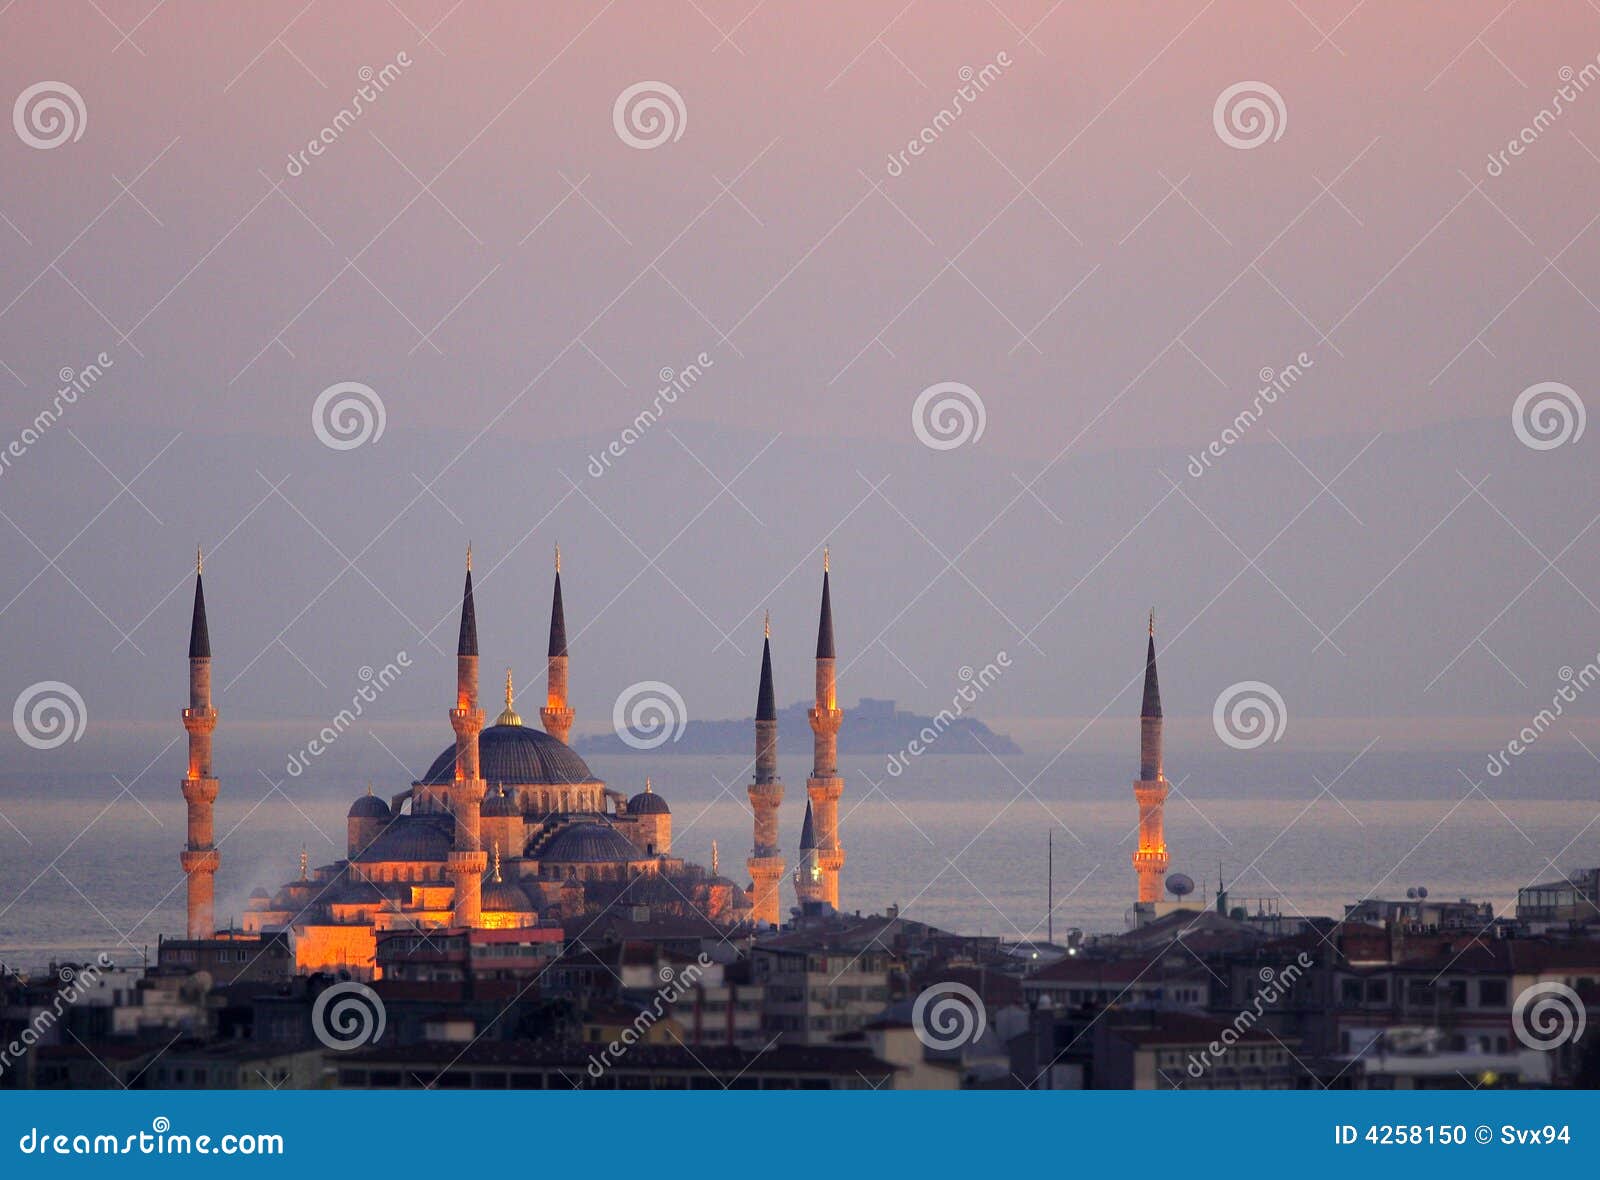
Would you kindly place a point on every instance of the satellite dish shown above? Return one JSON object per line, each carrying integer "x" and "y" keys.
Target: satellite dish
{"x": 1411, "y": 894}
{"x": 1422, "y": 891}
{"x": 1180, "y": 885}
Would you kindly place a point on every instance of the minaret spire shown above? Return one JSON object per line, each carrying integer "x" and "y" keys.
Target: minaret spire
{"x": 766, "y": 793}
{"x": 557, "y": 714}
{"x": 810, "y": 878}
{"x": 1150, "y": 789}
{"x": 467, "y": 639}
{"x": 200, "y": 858}
{"x": 824, "y": 787}
{"x": 466, "y": 791}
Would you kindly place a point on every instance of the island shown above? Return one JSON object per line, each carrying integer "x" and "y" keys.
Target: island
{"x": 871, "y": 727}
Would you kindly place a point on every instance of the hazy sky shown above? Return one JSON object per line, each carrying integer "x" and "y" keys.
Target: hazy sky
{"x": 1079, "y": 244}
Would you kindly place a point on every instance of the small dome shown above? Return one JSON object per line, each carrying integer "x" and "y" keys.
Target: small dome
{"x": 260, "y": 895}
{"x": 369, "y": 806}
{"x": 589, "y": 842}
{"x": 409, "y": 838}
{"x": 647, "y": 802}
{"x": 499, "y": 805}
{"x": 516, "y": 755}
{"x": 505, "y": 897}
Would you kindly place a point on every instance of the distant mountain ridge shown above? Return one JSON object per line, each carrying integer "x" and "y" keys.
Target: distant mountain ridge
{"x": 871, "y": 727}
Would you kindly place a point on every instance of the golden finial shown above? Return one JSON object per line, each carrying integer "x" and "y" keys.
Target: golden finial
{"x": 497, "y": 862}
{"x": 509, "y": 717}
{"x": 713, "y": 858}
{"x": 1152, "y": 620}
{"x": 767, "y": 626}
{"x": 304, "y": 860}
{"x": 199, "y": 560}
{"x": 824, "y": 559}
{"x": 558, "y": 557}
{"x": 647, "y": 789}
{"x": 369, "y": 788}
{"x": 469, "y": 557}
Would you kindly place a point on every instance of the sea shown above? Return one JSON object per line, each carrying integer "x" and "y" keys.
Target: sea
{"x": 969, "y": 843}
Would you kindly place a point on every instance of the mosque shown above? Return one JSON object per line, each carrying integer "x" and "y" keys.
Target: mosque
{"x": 509, "y": 828}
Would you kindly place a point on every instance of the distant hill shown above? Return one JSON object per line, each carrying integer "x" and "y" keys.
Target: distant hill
{"x": 870, "y": 727}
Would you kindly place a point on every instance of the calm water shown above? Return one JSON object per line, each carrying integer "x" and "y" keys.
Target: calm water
{"x": 955, "y": 841}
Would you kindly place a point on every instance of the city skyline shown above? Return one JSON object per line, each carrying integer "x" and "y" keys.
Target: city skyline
{"x": 1189, "y": 400}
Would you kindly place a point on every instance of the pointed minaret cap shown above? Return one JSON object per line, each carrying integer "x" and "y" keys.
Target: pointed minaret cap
{"x": 1152, "y": 690}
{"x": 467, "y": 643}
{"x": 766, "y": 699}
{"x": 558, "y": 615}
{"x": 808, "y": 840}
{"x": 825, "y": 622}
{"x": 199, "y": 634}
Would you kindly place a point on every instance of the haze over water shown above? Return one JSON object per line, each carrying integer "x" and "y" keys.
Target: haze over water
{"x": 1398, "y": 821}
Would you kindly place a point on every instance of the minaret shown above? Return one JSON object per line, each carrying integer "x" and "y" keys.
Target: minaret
{"x": 556, "y": 714}
{"x": 200, "y": 857}
{"x": 467, "y": 861}
{"x": 766, "y": 793}
{"x": 1150, "y": 861}
{"x": 825, "y": 786}
{"x": 810, "y": 883}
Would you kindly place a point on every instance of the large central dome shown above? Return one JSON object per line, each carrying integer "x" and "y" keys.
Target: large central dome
{"x": 515, "y": 754}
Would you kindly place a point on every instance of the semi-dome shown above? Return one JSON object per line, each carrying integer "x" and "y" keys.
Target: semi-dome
{"x": 518, "y": 755}
{"x": 369, "y": 806}
{"x": 588, "y": 842}
{"x": 409, "y": 838}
